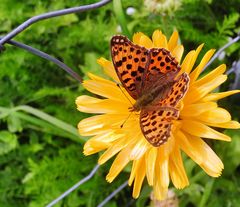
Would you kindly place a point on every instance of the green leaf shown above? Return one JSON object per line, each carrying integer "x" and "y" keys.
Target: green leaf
{"x": 14, "y": 124}
{"x": 8, "y": 142}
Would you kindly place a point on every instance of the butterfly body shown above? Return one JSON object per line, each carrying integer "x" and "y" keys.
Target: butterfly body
{"x": 146, "y": 100}
{"x": 150, "y": 76}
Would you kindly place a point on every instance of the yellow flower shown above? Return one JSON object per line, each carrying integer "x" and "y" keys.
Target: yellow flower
{"x": 198, "y": 113}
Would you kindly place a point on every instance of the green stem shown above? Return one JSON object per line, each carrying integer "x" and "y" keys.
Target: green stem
{"x": 49, "y": 121}
{"x": 118, "y": 10}
{"x": 207, "y": 192}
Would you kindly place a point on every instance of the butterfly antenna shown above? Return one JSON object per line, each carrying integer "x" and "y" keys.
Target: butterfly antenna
{"x": 118, "y": 85}
{"x": 126, "y": 120}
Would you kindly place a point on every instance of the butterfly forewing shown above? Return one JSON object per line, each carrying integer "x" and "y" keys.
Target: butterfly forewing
{"x": 130, "y": 62}
{"x": 162, "y": 68}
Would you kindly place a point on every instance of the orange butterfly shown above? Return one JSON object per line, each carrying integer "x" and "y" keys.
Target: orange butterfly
{"x": 150, "y": 77}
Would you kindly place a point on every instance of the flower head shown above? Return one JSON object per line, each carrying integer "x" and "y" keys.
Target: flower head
{"x": 198, "y": 113}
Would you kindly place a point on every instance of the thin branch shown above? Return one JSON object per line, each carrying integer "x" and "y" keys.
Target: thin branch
{"x": 47, "y": 57}
{"x": 74, "y": 187}
{"x": 113, "y": 194}
{"x": 48, "y": 15}
{"x": 222, "y": 49}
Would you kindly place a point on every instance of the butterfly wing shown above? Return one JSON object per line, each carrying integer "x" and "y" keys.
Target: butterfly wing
{"x": 156, "y": 124}
{"x": 130, "y": 62}
{"x": 177, "y": 91}
{"x": 156, "y": 120}
{"x": 162, "y": 68}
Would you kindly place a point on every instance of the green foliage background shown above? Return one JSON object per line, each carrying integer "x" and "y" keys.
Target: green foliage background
{"x": 39, "y": 160}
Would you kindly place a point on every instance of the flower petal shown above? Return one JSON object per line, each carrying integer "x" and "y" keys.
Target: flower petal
{"x": 92, "y": 147}
{"x": 140, "y": 175}
{"x": 111, "y": 151}
{"x": 89, "y": 104}
{"x": 196, "y": 93}
{"x": 150, "y": 159}
{"x": 161, "y": 180}
{"x": 178, "y": 52}
{"x": 194, "y": 75}
{"x": 159, "y": 39}
{"x": 176, "y": 169}
{"x": 217, "y": 115}
{"x": 119, "y": 163}
{"x": 145, "y": 41}
{"x": 187, "y": 62}
{"x": 198, "y": 129}
{"x": 136, "y": 37}
{"x": 173, "y": 41}
{"x": 213, "y": 74}
{"x": 106, "y": 88}
{"x": 162, "y": 164}
{"x": 139, "y": 148}
{"x": 217, "y": 96}
{"x": 187, "y": 66}
{"x": 197, "y": 108}
{"x": 227, "y": 125}
{"x": 208, "y": 161}
{"x": 108, "y": 68}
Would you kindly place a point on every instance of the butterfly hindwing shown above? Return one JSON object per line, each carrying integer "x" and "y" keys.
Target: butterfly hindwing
{"x": 156, "y": 124}
{"x": 177, "y": 91}
{"x": 130, "y": 62}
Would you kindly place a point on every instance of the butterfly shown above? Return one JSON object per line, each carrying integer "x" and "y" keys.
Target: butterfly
{"x": 150, "y": 76}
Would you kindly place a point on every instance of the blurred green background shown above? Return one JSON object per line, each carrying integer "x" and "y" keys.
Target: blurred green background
{"x": 40, "y": 160}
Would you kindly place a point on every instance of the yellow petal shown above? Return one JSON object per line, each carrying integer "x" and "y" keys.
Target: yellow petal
{"x": 198, "y": 108}
{"x": 106, "y": 88}
{"x": 196, "y": 93}
{"x": 213, "y": 74}
{"x": 217, "y": 115}
{"x": 89, "y": 128}
{"x": 150, "y": 160}
{"x": 185, "y": 66}
{"x": 194, "y": 75}
{"x": 113, "y": 150}
{"x": 106, "y": 137}
{"x": 140, "y": 175}
{"x": 146, "y": 42}
{"x": 133, "y": 172}
{"x": 119, "y": 163}
{"x": 102, "y": 123}
{"x": 173, "y": 41}
{"x": 176, "y": 169}
{"x": 203, "y": 155}
{"x": 162, "y": 164}
{"x": 159, "y": 39}
{"x": 227, "y": 125}
{"x": 92, "y": 147}
{"x": 156, "y": 38}
{"x": 89, "y": 104}
{"x": 200, "y": 130}
{"x": 136, "y": 37}
{"x": 108, "y": 68}
{"x": 217, "y": 96}
{"x": 188, "y": 67}
{"x": 160, "y": 189}
{"x": 178, "y": 52}
{"x": 139, "y": 148}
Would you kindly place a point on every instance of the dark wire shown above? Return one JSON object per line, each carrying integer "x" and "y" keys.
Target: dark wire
{"x": 48, "y": 15}
{"x": 47, "y": 57}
